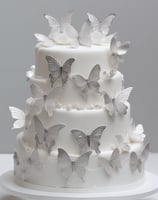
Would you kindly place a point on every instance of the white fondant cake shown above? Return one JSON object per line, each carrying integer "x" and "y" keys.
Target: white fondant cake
{"x": 77, "y": 128}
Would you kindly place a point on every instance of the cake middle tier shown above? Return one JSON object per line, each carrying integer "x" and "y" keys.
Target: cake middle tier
{"x": 85, "y": 120}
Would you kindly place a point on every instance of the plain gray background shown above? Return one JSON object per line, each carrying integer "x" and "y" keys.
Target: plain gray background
{"x": 136, "y": 21}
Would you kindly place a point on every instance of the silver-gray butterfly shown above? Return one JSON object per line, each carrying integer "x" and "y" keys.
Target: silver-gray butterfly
{"x": 58, "y": 72}
{"x": 84, "y": 85}
{"x": 112, "y": 164}
{"x": 67, "y": 166}
{"x": 137, "y": 162}
{"x": 46, "y": 136}
{"x": 86, "y": 142}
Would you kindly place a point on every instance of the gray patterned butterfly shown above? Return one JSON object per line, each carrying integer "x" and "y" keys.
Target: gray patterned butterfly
{"x": 56, "y": 71}
{"x": 137, "y": 162}
{"x": 117, "y": 104}
{"x": 67, "y": 166}
{"x": 86, "y": 142}
{"x": 46, "y": 136}
{"x": 90, "y": 84}
{"x": 117, "y": 49}
{"x": 112, "y": 164}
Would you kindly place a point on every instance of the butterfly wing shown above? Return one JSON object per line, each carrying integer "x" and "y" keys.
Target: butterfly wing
{"x": 95, "y": 138}
{"x": 134, "y": 160}
{"x": 95, "y": 23}
{"x": 66, "y": 69}
{"x": 54, "y": 69}
{"x": 81, "y": 164}
{"x": 106, "y": 23}
{"x": 145, "y": 153}
{"x": 115, "y": 159}
{"x": 123, "y": 48}
{"x": 84, "y": 35}
{"x": 104, "y": 163}
{"x": 81, "y": 85}
{"x": 51, "y": 136}
{"x": 53, "y": 23}
{"x": 81, "y": 139}
{"x": 64, "y": 163}
{"x": 36, "y": 91}
{"x": 19, "y": 117}
{"x": 39, "y": 129}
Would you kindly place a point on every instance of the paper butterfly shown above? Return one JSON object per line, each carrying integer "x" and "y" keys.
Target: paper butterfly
{"x": 88, "y": 141}
{"x": 63, "y": 32}
{"x": 137, "y": 162}
{"x": 56, "y": 71}
{"x": 67, "y": 166}
{"x": 46, "y": 136}
{"x": 90, "y": 84}
{"x": 45, "y": 41}
{"x": 44, "y": 100}
{"x": 137, "y": 134}
{"x": 117, "y": 50}
{"x": 117, "y": 104}
{"x": 112, "y": 164}
{"x": 122, "y": 145}
{"x": 93, "y": 31}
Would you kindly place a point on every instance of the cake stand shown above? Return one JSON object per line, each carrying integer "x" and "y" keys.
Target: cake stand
{"x": 146, "y": 187}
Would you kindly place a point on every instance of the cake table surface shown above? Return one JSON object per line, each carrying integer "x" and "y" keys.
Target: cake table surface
{"x": 6, "y": 164}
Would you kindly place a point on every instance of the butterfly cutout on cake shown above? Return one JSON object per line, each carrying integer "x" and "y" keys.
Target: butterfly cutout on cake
{"x": 117, "y": 104}
{"x": 117, "y": 51}
{"x": 137, "y": 161}
{"x": 111, "y": 165}
{"x": 46, "y": 136}
{"x": 87, "y": 142}
{"x": 23, "y": 119}
{"x": 57, "y": 71}
{"x": 67, "y": 166}
{"x": 121, "y": 144}
{"x": 91, "y": 84}
{"x": 137, "y": 134}
{"x": 95, "y": 31}
{"x": 45, "y": 99}
{"x": 44, "y": 40}
{"x": 62, "y": 32}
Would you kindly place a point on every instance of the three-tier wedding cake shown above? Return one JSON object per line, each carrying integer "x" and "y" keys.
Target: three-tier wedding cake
{"x": 77, "y": 129}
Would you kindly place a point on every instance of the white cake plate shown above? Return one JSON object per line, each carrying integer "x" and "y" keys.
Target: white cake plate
{"x": 145, "y": 188}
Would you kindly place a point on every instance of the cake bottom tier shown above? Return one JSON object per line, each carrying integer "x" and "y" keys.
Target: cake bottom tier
{"x": 45, "y": 171}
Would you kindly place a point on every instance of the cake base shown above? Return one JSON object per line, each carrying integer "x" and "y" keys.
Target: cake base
{"x": 145, "y": 187}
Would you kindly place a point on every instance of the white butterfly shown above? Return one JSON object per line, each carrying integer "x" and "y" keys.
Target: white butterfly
{"x": 137, "y": 162}
{"x": 137, "y": 134}
{"x": 63, "y": 32}
{"x": 67, "y": 166}
{"x": 19, "y": 117}
{"x": 46, "y": 136}
{"x": 117, "y": 104}
{"x": 88, "y": 85}
{"x": 93, "y": 31}
{"x": 88, "y": 141}
{"x": 122, "y": 144}
{"x": 112, "y": 164}
{"x": 27, "y": 157}
{"x": 45, "y": 41}
{"x": 117, "y": 49}
{"x": 58, "y": 72}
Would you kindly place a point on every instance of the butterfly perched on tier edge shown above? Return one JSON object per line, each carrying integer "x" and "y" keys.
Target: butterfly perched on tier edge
{"x": 67, "y": 166}
{"x": 91, "y": 141}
